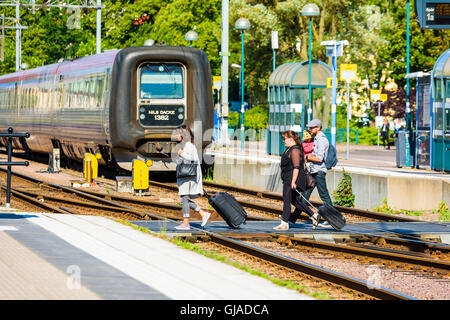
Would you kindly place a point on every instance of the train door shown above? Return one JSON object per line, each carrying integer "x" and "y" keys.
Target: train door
{"x": 103, "y": 88}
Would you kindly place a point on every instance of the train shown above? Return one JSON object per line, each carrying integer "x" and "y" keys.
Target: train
{"x": 123, "y": 104}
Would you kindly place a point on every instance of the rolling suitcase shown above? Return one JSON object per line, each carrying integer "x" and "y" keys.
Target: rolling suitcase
{"x": 228, "y": 208}
{"x": 329, "y": 213}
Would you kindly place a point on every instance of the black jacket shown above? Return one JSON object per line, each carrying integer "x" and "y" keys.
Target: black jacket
{"x": 287, "y": 168}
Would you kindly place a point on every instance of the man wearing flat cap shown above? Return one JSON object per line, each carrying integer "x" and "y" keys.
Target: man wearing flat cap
{"x": 317, "y": 158}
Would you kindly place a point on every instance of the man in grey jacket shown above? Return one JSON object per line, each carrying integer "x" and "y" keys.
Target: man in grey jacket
{"x": 317, "y": 158}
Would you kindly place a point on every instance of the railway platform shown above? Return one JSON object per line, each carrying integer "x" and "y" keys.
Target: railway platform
{"x": 68, "y": 257}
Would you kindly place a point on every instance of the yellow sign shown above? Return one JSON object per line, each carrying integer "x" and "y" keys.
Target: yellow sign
{"x": 375, "y": 95}
{"x": 329, "y": 83}
{"x": 140, "y": 175}
{"x": 383, "y": 97}
{"x": 217, "y": 82}
{"x": 348, "y": 71}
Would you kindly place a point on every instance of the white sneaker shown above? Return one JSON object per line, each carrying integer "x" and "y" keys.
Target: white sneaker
{"x": 283, "y": 226}
{"x": 315, "y": 219}
{"x": 325, "y": 225}
{"x": 183, "y": 227}
{"x": 205, "y": 218}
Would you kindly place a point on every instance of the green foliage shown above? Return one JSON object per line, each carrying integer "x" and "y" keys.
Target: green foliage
{"x": 375, "y": 29}
{"x": 367, "y": 136}
{"x": 256, "y": 118}
{"x": 343, "y": 195}
{"x": 384, "y": 208}
{"x": 443, "y": 211}
{"x": 233, "y": 118}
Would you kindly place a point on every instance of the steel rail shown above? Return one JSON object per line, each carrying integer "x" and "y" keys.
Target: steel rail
{"x": 35, "y": 202}
{"x": 318, "y": 272}
{"x": 380, "y": 253}
{"x": 315, "y": 271}
{"x": 102, "y": 198}
{"x": 277, "y": 196}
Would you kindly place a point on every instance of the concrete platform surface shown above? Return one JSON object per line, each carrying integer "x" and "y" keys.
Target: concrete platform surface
{"x": 54, "y": 256}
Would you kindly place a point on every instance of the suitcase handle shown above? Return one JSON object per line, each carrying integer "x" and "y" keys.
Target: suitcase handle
{"x": 304, "y": 197}
{"x": 206, "y": 194}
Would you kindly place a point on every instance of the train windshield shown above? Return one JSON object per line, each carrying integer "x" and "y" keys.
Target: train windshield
{"x": 161, "y": 81}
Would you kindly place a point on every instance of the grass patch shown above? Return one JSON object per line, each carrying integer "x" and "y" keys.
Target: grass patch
{"x": 384, "y": 208}
{"x": 443, "y": 212}
{"x": 212, "y": 254}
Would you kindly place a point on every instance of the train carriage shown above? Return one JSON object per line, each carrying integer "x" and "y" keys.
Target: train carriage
{"x": 123, "y": 104}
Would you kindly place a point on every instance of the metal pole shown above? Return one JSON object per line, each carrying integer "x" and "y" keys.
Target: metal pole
{"x": 18, "y": 31}
{"x": 348, "y": 119}
{"x": 8, "y": 176}
{"x": 378, "y": 128}
{"x": 224, "y": 70}
{"x": 333, "y": 101}
{"x": 242, "y": 90}
{"x": 408, "y": 110}
{"x": 99, "y": 27}
{"x": 274, "y": 60}
{"x": 3, "y": 39}
{"x": 309, "y": 74}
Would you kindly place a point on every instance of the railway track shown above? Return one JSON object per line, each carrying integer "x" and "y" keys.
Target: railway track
{"x": 276, "y": 210}
{"x": 126, "y": 207}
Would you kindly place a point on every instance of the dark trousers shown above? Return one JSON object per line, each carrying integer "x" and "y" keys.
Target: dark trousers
{"x": 321, "y": 184}
{"x": 385, "y": 140}
{"x": 290, "y": 196}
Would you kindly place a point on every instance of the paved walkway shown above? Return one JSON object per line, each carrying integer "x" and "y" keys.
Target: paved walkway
{"x": 54, "y": 256}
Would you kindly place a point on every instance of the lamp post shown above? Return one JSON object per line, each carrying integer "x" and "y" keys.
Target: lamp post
{"x": 407, "y": 109}
{"x": 274, "y": 48}
{"x": 242, "y": 24}
{"x": 191, "y": 36}
{"x": 309, "y": 10}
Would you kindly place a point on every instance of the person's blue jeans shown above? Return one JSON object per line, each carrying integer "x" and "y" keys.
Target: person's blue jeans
{"x": 321, "y": 184}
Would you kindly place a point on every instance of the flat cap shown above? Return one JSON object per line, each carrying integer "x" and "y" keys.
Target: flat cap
{"x": 314, "y": 123}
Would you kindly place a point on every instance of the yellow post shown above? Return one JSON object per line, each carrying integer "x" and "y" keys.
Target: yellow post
{"x": 88, "y": 170}
{"x": 91, "y": 164}
{"x": 140, "y": 175}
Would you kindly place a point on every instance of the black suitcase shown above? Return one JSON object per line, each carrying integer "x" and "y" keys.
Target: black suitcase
{"x": 329, "y": 213}
{"x": 228, "y": 208}
{"x": 333, "y": 216}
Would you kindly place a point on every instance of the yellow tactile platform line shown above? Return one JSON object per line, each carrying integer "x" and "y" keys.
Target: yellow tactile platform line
{"x": 24, "y": 275}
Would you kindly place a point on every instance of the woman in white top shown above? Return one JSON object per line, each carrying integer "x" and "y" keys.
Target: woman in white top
{"x": 189, "y": 188}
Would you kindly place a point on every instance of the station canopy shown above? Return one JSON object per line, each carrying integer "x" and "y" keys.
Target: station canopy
{"x": 442, "y": 67}
{"x": 296, "y": 74}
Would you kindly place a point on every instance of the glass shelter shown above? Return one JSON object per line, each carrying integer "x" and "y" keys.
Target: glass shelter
{"x": 440, "y": 117}
{"x": 289, "y": 101}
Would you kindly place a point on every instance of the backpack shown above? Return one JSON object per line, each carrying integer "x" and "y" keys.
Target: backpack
{"x": 331, "y": 158}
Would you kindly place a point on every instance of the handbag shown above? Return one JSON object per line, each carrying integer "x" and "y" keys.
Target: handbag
{"x": 186, "y": 169}
{"x": 310, "y": 181}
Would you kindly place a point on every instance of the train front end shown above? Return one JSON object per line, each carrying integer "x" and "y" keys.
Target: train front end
{"x": 156, "y": 89}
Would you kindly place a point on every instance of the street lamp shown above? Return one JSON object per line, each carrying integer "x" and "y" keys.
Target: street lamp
{"x": 310, "y": 10}
{"x": 191, "y": 36}
{"x": 242, "y": 24}
{"x": 407, "y": 107}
